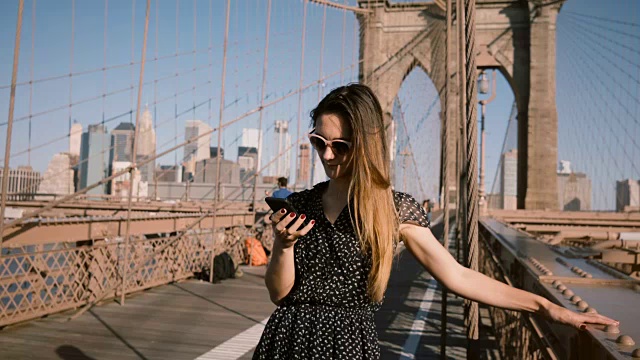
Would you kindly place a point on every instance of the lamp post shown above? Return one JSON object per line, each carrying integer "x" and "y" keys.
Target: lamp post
{"x": 483, "y": 88}
{"x": 404, "y": 155}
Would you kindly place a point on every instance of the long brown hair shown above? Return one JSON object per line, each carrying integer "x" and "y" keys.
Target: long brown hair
{"x": 375, "y": 217}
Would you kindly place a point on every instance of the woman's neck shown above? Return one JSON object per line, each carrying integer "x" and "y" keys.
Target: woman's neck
{"x": 338, "y": 189}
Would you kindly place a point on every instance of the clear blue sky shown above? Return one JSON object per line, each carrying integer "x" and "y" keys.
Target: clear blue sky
{"x": 605, "y": 153}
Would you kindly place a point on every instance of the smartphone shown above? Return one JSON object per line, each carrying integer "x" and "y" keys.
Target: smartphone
{"x": 276, "y": 204}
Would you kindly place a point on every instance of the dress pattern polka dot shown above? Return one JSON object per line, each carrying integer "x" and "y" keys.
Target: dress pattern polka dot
{"x": 328, "y": 314}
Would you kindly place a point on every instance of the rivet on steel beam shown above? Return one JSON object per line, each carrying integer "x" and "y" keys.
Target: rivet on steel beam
{"x": 612, "y": 329}
{"x": 635, "y": 354}
{"x": 590, "y": 310}
{"x": 625, "y": 340}
{"x": 575, "y": 299}
{"x": 555, "y": 283}
{"x": 568, "y": 293}
{"x": 582, "y": 304}
{"x": 561, "y": 287}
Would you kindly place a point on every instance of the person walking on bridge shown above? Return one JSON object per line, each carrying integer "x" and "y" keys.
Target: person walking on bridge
{"x": 332, "y": 260}
{"x": 282, "y": 191}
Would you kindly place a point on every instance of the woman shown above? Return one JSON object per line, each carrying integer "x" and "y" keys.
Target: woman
{"x": 331, "y": 262}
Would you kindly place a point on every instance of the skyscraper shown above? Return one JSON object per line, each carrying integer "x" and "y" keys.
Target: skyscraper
{"x": 247, "y": 161}
{"x": 627, "y": 195}
{"x": 282, "y": 151}
{"x": 75, "y": 139}
{"x": 58, "y": 179}
{"x": 304, "y": 165}
{"x": 122, "y": 142}
{"x": 509, "y": 180}
{"x": 146, "y": 146}
{"x": 94, "y": 157}
{"x": 253, "y": 138}
{"x": 23, "y": 182}
{"x": 574, "y": 191}
{"x": 198, "y": 149}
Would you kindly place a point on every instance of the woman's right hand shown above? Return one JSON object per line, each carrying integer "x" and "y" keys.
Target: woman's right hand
{"x": 287, "y": 237}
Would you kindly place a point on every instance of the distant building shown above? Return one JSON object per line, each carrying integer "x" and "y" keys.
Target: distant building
{"x": 59, "y": 177}
{"x": 282, "y": 149}
{"x": 122, "y": 142}
{"x": 120, "y": 185}
{"x": 213, "y": 152}
{"x": 22, "y": 183}
{"x": 199, "y": 149}
{"x": 304, "y": 165}
{"x": 509, "y": 180}
{"x": 247, "y": 161}
{"x": 271, "y": 179}
{"x": 252, "y": 138}
{"x": 574, "y": 192}
{"x": 565, "y": 167}
{"x": 206, "y": 172}
{"x": 628, "y": 195}
{"x": 146, "y": 147}
{"x": 94, "y": 158}
{"x": 169, "y": 173}
{"x": 75, "y": 139}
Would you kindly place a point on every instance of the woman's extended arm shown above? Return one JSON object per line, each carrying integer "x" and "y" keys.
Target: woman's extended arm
{"x": 280, "y": 275}
{"x": 478, "y": 287}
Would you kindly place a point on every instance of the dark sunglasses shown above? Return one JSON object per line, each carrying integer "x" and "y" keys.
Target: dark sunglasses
{"x": 339, "y": 147}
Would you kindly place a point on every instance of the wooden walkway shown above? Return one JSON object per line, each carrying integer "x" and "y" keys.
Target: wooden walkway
{"x": 188, "y": 319}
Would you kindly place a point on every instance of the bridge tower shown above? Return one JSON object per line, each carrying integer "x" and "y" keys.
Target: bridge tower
{"x": 517, "y": 37}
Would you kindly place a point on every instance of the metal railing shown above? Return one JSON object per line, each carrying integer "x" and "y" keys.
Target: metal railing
{"x": 517, "y": 334}
{"x": 37, "y": 280}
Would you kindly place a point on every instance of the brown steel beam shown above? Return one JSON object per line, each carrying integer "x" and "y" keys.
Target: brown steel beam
{"x": 527, "y": 215}
{"x": 32, "y": 234}
{"x": 550, "y": 228}
{"x": 153, "y": 207}
{"x": 332, "y": 4}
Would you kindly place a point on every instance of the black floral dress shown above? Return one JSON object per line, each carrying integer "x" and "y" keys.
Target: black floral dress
{"x": 327, "y": 314}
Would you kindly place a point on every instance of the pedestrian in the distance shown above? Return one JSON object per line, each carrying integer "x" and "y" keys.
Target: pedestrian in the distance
{"x": 282, "y": 191}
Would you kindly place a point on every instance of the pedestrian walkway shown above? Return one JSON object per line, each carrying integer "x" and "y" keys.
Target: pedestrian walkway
{"x": 198, "y": 320}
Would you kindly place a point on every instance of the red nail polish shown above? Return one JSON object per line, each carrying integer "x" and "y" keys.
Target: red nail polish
{"x": 303, "y": 216}
{"x": 293, "y": 214}
{"x": 313, "y": 222}
{"x": 283, "y": 211}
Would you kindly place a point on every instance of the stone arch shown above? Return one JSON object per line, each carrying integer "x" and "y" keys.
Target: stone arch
{"x": 516, "y": 37}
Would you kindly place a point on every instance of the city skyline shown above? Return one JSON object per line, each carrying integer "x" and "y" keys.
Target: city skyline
{"x": 195, "y": 93}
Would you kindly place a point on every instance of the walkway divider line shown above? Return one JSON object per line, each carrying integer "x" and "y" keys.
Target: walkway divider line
{"x": 238, "y": 345}
{"x": 412, "y": 342}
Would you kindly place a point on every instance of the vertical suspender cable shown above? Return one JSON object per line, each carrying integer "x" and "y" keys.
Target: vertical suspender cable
{"x": 320, "y": 84}
{"x": 220, "y": 116}
{"x": 302, "y": 41}
{"x": 344, "y": 27}
{"x": 12, "y": 100}
{"x": 471, "y": 169}
{"x": 445, "y": 169}
{"x": 265, "y": 63}
{"x": 133, "y": 167}
{"x": 33, "y": 32}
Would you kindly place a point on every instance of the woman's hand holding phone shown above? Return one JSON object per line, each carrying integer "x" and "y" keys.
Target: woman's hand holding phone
{"x": 286, "y": 227}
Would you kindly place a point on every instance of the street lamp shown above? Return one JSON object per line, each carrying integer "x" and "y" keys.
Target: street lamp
{"x": 483, "y": 88}
{"x": 483, "y": 83}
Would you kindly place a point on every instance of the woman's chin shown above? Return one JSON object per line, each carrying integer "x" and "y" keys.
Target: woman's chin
{"x": 335, "y": 172}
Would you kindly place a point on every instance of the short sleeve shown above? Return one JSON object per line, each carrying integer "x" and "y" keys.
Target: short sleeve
{"x": 410, "y": 211}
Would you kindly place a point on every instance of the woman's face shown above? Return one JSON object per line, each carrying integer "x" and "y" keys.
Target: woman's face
{"x": 332, "y": 127}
